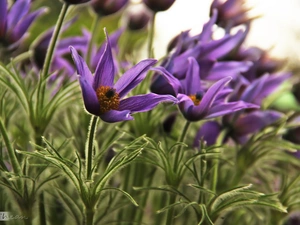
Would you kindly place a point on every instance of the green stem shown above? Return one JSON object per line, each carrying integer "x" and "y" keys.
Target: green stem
{"x": 42, "y": 210}
{"x": 179, "y": 153}
{"x": 215, "y": 162}
{"x": 89, "y": 216}
{"x": 11, "y": 153}
{"x": 94, "y": 31}
{"x": 151, "y": 36}
{"x": 170, "y": 215}
{"x": 90, "y": 146}
{"x": 49, "y": 55}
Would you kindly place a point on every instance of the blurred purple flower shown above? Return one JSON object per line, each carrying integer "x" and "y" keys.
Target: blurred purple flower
{"x": 195, "y": 101}
{"x": 15, "y": 22}
{"x": 231, "y": 13}
{"x": 76, "y": 2}
{"x": 107, "y": 7}
{"x": 209, "y": 132}
{"x": 103, "y": 98}
{"x": 158, "y": 5}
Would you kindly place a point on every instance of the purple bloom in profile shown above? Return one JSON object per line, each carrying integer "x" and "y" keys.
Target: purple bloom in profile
{"x": 158, "y": 5}
{"x": 15, "y": 22}
{"x": 107, "y": 7}
{"x": 103, "y": 98}
{"x": 209, "y": 132}
{"x": 60, "y": 61}
{"x": 197, "y": 102}
{"x": 231, "y": 13}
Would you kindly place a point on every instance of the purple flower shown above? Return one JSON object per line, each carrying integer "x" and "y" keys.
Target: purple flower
{"x": 231, "y": 13}
{"x": 60, "y": 62}
{"x": 107, "y": 7}
{"x": 76, "y": 2}
{"x": 103, "y": 98}
{"x": 209, "y": 132}
{"x": 15, "y": 22}
{"x": 196, "y": 102}
{"x": 158, "y": 5}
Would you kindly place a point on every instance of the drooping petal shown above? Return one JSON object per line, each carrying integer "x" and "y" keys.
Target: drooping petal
{"x": 224, "y": 69}
{"x": 113, "y": 116}
{"x": 167, "y": 77}
{"x": 227, "y": 108}
{"x": 143, "y": 103}
{"x": 255, "y": 121}
{"x": 219, "y": 48}
{"x": 133, "y": 77}
{"x": 105, "y": 71}
{"x": 82, "y": 68}
{"x": 19, "y": 9}
{"x": 192, "y": 81}
{"x": 90, "y": 99}
{"x": 20, "y": 29}
{"x": 3, "y": 16}
{"x": 209, "y": 131}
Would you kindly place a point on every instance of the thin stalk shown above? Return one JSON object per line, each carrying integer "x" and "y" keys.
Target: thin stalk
{"x": 170, "y": 215}
{"x": 49, "y": 55}
{"x": 215, "y": 163}
{"x": 42, "y": 209}
{"x": 11, "y": 153}
{"x": 179, "y": 153}
{"x": 151, "y": 36}
{"x": 94, "y": 33}
{"x": 90, "y": 146}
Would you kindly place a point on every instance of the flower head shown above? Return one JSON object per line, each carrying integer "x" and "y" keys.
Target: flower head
{"x": 107, "y": 7}
{"x": 76, "y": 2}
{"x": 15, "y": 22}
{"x": 158, "y": 5}
{"x": 196, "y": 102}
{"x": 102, "y": 97}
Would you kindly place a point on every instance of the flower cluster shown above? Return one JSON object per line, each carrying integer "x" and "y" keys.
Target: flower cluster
{"x": 201, "y": 127}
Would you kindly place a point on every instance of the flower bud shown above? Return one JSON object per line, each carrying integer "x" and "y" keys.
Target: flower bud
{"x": 138, "y": 18}
{"x": 75, "y": 2}
{"x": 158, "y": 5}
{"x": 107, "y": 7}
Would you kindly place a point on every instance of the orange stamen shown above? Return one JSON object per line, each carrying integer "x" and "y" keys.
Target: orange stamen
{"x": 108, "y": 98}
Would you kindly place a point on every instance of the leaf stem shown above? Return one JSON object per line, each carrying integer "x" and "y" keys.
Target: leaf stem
{"x": 151, "y": 37}
{"x": 94, "y": 30}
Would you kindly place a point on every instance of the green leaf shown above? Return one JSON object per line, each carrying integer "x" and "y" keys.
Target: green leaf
{"x": 124, "y": 193}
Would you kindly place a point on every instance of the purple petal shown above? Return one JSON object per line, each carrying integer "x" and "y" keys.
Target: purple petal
{"x": 90, "y": 99}
{"x": 19, "y": 9}
{"x": 192, "y": 80}
{"x": 20, "y": 29}
{"x": 105, "y": 71}
{"x": 206, "y": 33}
{"x": 3, "y": 16}
{"x": 227, "y": 108}
{"x": 82, "y": 68}
{"x": 211, "y": 94}
{"x": 143, "y": 103}
{"x": 133, "y": 77}
{"x": 219, "y": 48}
{"x": 113, "y": 116}
{"x": 180, "y": 62}
{"x": 224, "y": 69}
{"x": 254, "y": 89}
{"x": 209, "y": 131}
{"x": 255, "y": 121}
{"x": 173, "y": 81}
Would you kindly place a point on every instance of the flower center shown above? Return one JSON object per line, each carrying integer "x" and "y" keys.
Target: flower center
{"x": 196, "y": 98}
{"x": 108, "y": 98}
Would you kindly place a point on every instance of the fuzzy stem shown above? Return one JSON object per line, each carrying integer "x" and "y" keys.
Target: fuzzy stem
{"x": 89, "y": 216}
{"x": 151, "y": 36}
{"x": 49, "y": 55}
{"x": 179, "y": 153}
{"x": 90, "y": 146}
{"x": 11, "y": 153}
{"x": 170, "y": 215}
{"x": 94, "y": 33}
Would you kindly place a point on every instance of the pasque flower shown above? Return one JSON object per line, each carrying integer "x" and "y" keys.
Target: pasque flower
{"x": 76, "y": 2}
{"x": 158, "y": 5}
{"x": 196, "y": 102}
{"x": 15, "y": 22}
{"x": 107, "y": 7}
{"x": 103, "y": 98}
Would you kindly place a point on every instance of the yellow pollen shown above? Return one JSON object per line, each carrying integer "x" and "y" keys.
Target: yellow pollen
{"x": 195, "y": 99}
{"x": 108, "y": 98}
